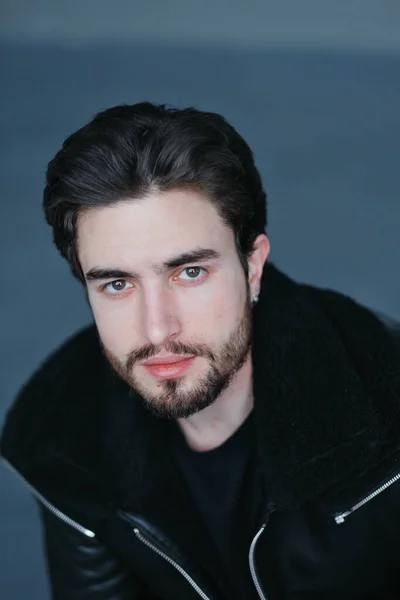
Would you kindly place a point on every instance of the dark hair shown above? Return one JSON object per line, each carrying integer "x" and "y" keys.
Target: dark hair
{"x": 125, "y": 152}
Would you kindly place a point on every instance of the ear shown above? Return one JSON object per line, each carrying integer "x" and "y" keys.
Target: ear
{"x": 256, "y": 262}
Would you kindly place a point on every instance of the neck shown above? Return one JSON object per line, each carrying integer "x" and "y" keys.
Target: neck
{"x": 212, "y": 426}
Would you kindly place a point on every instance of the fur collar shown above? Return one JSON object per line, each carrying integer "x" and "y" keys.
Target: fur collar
{"x": 327, "y": 406}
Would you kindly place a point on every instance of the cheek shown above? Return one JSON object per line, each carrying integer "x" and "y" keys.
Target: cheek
{"x": 213, "y": 317}
{"x": 116, "y": 333}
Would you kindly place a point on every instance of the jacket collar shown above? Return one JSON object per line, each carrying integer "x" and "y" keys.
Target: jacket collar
{"x": 327, "y": 382}
{"x": 327, "y": 407}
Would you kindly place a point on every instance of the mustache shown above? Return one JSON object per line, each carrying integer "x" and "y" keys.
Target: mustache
{"x": 149, "y": 350}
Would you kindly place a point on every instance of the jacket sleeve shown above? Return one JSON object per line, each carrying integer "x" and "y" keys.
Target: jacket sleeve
{"x": 82, "y": 568}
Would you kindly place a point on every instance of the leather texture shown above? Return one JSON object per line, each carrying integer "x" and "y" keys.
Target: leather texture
{"x": 82, "y": 568}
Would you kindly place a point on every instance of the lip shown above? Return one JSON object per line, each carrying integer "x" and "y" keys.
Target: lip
{"x": 168, "y": 369}
{"x": 166, "y": 360}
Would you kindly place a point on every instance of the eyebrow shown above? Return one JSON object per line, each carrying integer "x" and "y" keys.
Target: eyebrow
{"x": 193, "y": 256}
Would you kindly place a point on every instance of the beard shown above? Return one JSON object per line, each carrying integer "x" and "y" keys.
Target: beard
{"x": 175, "y": 398}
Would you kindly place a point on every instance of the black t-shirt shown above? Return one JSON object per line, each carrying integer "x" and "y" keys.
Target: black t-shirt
{"x": 221, "y": 482}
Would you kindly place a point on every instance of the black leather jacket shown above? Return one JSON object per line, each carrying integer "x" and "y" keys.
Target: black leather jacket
{"x": 119, "y": 521}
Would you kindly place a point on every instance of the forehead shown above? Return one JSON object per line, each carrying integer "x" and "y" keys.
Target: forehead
{"x": 149, "y": 229}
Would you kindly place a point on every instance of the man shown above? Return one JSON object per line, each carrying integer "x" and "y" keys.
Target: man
{"x": 221, "y": 432}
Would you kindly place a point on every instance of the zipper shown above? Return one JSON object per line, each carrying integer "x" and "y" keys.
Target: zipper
{"x": 252, "y": 565}
{"x": 186, "y": 575}
{"x": 48, "y": 505}
{"x": 340, "y": 518}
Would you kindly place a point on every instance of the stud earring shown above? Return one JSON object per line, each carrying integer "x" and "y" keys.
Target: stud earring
{"x": 255, "y": 297}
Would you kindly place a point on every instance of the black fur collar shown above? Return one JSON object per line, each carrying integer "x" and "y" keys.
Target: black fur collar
{"x": 327, "y": 389}
{"x": 327, "y": 406}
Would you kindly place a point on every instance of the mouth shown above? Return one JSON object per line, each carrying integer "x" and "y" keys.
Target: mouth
{"x": 167, "y": 367}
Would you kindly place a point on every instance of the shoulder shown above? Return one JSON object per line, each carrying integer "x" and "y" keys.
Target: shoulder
{"x": 391, "y": 324}
{"x": 353, "y": 319}
{"x": 51, "y": 387}
{"x": 63, "y": 363}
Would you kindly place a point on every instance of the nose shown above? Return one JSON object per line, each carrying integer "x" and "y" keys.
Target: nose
{"x": 160, "y": 322}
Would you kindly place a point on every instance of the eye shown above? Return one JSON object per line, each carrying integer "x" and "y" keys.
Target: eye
{"x": 192, "y": 273}
{"x": 117, "y": 286}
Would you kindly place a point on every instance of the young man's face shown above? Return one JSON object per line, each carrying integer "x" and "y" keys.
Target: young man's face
{"x": 169, "y": 297}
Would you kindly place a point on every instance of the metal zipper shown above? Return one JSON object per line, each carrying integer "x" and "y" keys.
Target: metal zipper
{"x": 343, "y": 516}
{"x": 194, "y": 585}
{"x": 48, "y": 505}
{"x": 253, "y": 566}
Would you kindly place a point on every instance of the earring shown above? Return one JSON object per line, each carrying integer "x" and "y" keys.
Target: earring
{"x": 255, "y": 297}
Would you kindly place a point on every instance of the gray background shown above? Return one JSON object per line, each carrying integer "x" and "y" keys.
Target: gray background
{"x": 314, "y": 86}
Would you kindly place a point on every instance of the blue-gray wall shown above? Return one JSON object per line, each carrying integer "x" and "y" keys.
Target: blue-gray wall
{"x": 317, "y": 96}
